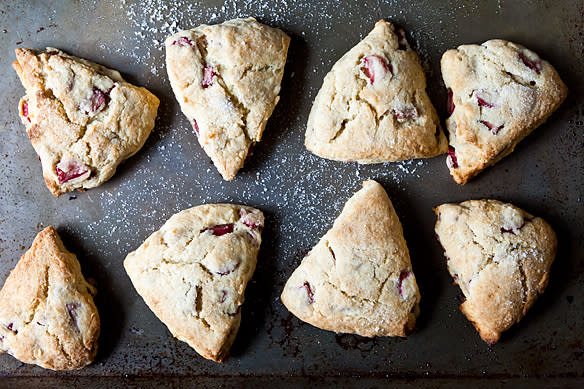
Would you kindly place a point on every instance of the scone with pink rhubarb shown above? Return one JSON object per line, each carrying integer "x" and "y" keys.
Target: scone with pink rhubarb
{"x": 47, "y": 314}
{"x": 82, "y": 118}
{"x": 373, "y": 106}
{"x": 498, "y": 93}
{"x": 500, "y": 257}
{"x": 358, "y": 279}
{"x": 226, "y": 78}
{"x": 192, "y": 273}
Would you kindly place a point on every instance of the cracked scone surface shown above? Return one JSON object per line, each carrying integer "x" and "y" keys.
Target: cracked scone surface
{"x": 358, "y": 278}
{"x": 192, "y": 273}
{"x": 373, "y": 106}
{"x": 226, "y": 78}
{"x": 499, "y": 92}
{"x": 47, "y": 314}
{"x": 500, "y": 256}
{"x": 82, "y": 118}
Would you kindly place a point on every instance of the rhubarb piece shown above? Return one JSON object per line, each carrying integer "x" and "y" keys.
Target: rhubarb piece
{"x": 499, "y": 256}
{"x": 193, "y": 272}
{"x": 208, "y": 76}
{"x": 358, "y": 277}
{"x": 365, "y": 108}
{"x": 47, "y": 314}
{"x": 227, "y": 76}
{"x": 70, "y": 170}
{"x": 82, "y": 113}
{"x": 375, "y": 67}
{"x": 451, "y": 160}
{"x": 499, "y": 92}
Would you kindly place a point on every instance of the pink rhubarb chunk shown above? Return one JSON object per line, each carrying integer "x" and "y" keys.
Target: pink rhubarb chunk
{"x": 93, "y": 103}
{"x": 494, "y": 129}
{"x": 183, "y": 41}
{"x": 450, "y": 102}
{"x": 532, "y": 64}
{"x": 220, "y": 229}
{"x": 69, "y": 170}
{"x": 406, "y": 113}
{"x": 375, "y": 68}
{"x": 403, "y": 275}
{"x": 309, "y": 293}
{"x": 451, "y": 160}
{"x": 208, "y": 76}
{"x": 25, "y": 111}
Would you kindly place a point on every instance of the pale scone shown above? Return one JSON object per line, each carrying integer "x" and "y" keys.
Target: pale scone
{"x": 226, "y": 78}
{"x": 373, "y": 106}
{"x": 358, "y": 278}
{"x": 47, "y": 314}
{"x": 498, "y": 93}
{"x": 499, "y": 256}
{"x": 82, "y": 119}
{"x": 192, "y": 273}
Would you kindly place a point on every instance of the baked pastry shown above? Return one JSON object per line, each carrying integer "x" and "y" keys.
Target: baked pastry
{"x": 47, "y": 314}
{"x": 192, "y": 273}
{"x": 226, "y": 78}
{"x": 499, "y": 256}
{"x": 358, "y": 278}
{"x": 498, "y": 93}
{"x": 82, "y": 119}
{"x": 373, "y": 105}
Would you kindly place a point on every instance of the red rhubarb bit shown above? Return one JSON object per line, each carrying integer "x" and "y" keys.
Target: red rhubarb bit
{"x": 72, "y": 311}
{"x": 228, "y": 271}
{"x": 451, "y": 160}
{"x": 248, "y": 219}
{"x": 220, "y": 229}
{"x": 512, "y": 229}
{"x": 483, "y": 103}
{"x": 10, "y": 327}
{"x": 25, "y": 110}
{"x": 403, "y": 275}
{"x": 406, "y": 113}
{"x": 69, "y": 170}
{"x": 374, "y": 67}
{"x": 450, "y": 102}
{"x": 494, "y": 129}
{"x": 306, "y": 286}
{"x": 223, "y": 296}
{"x": 532, "y": 64}
{"x": 208, "y": 76}
{"x": 93, "y": 103}
{"x": 53, "y": 52}
{"x": 196, "y": 126}
{"x": 183, "y": 41}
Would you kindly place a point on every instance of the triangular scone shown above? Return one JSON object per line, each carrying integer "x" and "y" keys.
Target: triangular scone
{"x": 499, "y": 256}
{"x": 373, "y": 105}
{"x": 498, "y": 93}
{"x": 226, "y": 78}
{"x": 82, "y": 119}
{"x": 47, "y": 314}
{"x": 192, "y": 273}
{"x": 358, "y": 278}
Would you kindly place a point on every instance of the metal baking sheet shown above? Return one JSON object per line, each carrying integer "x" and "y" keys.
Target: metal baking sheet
{"x": 300, "y": 194}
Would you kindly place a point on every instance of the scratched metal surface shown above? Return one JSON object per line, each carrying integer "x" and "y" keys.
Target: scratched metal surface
{"x": 300, "y": 194}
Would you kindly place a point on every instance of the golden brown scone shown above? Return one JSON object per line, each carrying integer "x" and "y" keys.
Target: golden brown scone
{"x": 192, "y": 273}
{"x": 358, "y": 278}
{"x": 373, "y": 106}
{"x": 226, "y": 78}
{"x": 499, "y": 256}
{"x": 82, "y": 119}
{"x": 499, "y": 92}
{"x": 47, "y": 314}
